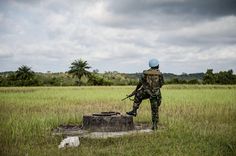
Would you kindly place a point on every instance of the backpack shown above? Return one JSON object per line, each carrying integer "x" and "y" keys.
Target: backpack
{"x": 152, "y": 80}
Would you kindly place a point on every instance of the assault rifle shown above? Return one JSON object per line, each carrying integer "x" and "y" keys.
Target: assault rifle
{"x": 130, "y": 95}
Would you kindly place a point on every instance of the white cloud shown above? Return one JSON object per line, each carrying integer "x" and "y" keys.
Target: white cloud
{"x": 222, "y": 27}
{"x": 49, "y": 35}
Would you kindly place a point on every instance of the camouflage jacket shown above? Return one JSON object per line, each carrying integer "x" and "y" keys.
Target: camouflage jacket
{"x": 151, "y": 81}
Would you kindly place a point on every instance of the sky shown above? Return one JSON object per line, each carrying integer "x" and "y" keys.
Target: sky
{"x": 118, "y": 35}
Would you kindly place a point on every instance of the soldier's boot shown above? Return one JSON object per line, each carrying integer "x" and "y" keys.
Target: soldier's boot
{"x": 133, "y": 112}
{"x": 154, "y": 126}
{"x": 154, "y": 123}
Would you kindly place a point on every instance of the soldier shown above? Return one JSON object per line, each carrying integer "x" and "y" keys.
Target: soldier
{"x": 149, "y": 88}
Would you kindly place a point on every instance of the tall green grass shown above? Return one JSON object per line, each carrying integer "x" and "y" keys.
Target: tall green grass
{"x": 197, "y": 120}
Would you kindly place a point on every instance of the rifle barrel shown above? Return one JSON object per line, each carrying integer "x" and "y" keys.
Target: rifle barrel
{"x": 128, "y": 96}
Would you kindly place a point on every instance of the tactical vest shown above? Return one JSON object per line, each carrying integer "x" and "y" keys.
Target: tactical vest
{"x": 152, "y": 80}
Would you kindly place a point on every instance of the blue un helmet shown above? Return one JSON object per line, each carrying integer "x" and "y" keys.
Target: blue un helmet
{"x": 153, "y": 63}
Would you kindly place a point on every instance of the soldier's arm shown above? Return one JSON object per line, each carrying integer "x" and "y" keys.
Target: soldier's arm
{"x": 140, "y": 83}
{"x": 161, "y": 80}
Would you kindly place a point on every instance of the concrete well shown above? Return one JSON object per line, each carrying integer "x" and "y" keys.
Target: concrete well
{"x": 108, "y": 122}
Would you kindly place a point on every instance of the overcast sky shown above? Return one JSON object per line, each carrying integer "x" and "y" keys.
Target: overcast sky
{"x": 118, "y": 35}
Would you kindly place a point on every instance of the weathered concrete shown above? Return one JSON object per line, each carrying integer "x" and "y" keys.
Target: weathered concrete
{"x": 77, "y": 130}
{"x": 108, "y": 122}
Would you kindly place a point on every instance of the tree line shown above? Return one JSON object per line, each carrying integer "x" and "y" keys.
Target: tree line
{"x": 79, "y": 75}
{"x": 223, "y": 77}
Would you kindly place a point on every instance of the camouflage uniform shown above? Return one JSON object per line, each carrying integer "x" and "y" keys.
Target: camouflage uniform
{"x": 150, "y": 83}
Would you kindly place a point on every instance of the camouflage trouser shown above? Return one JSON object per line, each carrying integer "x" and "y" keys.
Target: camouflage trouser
{"x": 154, "y": 100}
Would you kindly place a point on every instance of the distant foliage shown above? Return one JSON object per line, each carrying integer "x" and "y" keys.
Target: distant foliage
{"x": 79, "y": 75}
{"x": 98, "y": 80}
{"x": 209, "y": 77}
{"x": 223, "y": 77}
{"x": 24, "y": 73}
{"x": 24, "y": 76}
{"x": 79, "y": 68}
{"x": 182, "y": 81}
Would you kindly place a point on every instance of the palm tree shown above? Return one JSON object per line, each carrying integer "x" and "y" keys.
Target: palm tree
{"x": 24, "y": 73}
{"x": 79, "y": 68}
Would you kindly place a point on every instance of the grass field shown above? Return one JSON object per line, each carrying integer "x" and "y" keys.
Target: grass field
{"x": 198, "y": 120}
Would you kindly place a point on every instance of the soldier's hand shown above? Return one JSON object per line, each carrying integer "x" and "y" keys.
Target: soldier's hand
{"x": 134, "y": 92}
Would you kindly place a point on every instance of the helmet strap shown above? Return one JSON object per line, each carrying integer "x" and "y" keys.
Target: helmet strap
{"x": 157, "y": 67}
